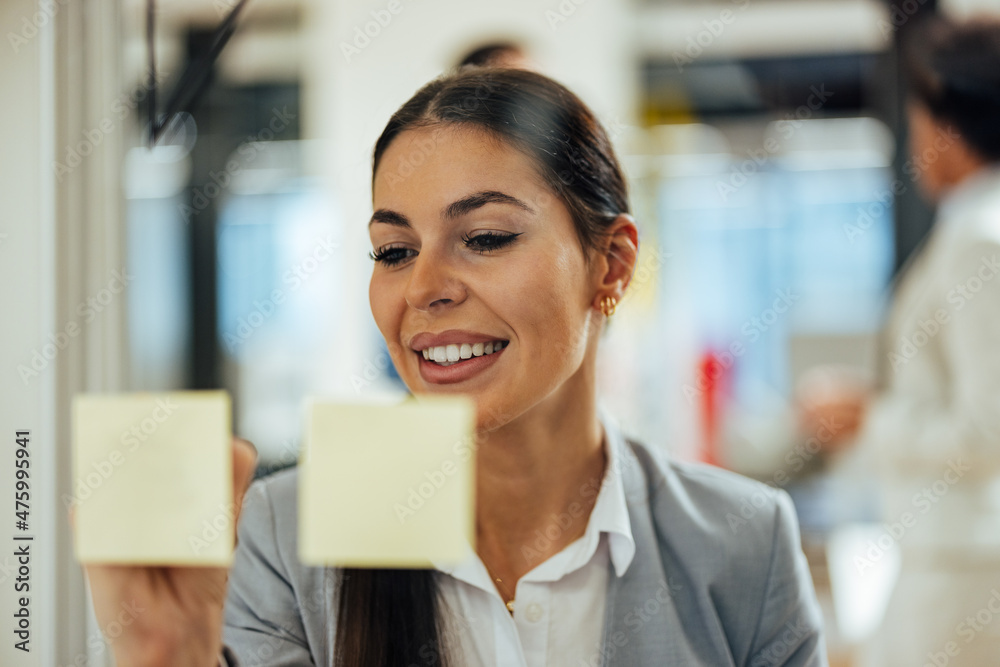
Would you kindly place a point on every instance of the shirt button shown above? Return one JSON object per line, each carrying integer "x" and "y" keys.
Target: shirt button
{"x": 533, "y": 613}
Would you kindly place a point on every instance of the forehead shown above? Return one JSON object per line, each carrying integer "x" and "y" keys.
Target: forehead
{"x": 444, "y": 162}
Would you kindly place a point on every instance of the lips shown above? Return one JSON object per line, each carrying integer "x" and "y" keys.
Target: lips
{"x": 451, "y": 355}
{"x": 459, "y": 371}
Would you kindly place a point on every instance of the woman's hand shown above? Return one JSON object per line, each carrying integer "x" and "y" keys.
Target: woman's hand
{"x": 832, "y": 404}
{"x": 168, "y": 615}
{"x": 835, "y": 420}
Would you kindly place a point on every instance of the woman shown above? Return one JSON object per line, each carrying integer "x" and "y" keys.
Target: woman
{"x": 501, "y": 218}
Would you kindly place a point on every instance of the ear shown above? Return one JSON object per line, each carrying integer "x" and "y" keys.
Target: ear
{"x": 617, "y": 262}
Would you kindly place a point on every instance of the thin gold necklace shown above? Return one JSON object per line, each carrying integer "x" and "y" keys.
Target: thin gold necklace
{"x": 510, "y": 602}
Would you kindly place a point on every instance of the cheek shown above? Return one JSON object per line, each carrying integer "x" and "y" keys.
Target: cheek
{"x": 385, "y": 308}
{"x": 388, "y": 318}
{"x": 547, "y": 295}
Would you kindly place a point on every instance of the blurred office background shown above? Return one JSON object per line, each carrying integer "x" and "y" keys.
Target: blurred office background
{"x": 763, "y": 140}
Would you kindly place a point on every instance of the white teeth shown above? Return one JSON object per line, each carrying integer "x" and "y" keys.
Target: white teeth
{"x": 446, "y": 355}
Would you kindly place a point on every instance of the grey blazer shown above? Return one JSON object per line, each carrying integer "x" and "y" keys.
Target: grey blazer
{"x": 719, "y": 577}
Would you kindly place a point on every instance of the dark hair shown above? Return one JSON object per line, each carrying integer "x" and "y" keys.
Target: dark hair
{"x": 538, "y": 116}
{"x": 388, "y": 617}
{"x": 953, "y": 69}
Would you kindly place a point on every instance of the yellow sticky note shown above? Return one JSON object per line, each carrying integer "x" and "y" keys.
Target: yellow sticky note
{"x": 152, "y": 478}
{"x": 388, "y": 485}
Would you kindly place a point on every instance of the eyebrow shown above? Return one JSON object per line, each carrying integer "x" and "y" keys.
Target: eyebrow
{"x": 455, "y": 209}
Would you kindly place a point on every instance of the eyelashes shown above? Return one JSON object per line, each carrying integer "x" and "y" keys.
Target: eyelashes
{"x": 481, "y": 243}
{"x": 387, "y": 256}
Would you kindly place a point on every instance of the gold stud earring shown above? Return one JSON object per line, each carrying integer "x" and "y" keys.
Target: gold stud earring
{"x": 608, "y": 305}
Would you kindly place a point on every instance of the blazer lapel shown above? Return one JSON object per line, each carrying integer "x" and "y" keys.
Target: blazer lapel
{"x": 642, "y": 626}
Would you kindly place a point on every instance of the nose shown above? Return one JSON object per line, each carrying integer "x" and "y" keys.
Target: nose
{"x": 434, "y": 282}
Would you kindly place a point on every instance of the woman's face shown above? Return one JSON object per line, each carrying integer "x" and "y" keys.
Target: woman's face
{"x": 479, "y": 251}
{"x": 927, "y": 159}
{"x": 940, "y": 158}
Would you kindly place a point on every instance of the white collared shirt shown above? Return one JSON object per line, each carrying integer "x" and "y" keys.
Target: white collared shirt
{"x": 559, "y": 605}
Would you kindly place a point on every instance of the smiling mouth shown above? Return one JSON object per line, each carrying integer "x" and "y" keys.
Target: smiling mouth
{"x": 449, "y": 355}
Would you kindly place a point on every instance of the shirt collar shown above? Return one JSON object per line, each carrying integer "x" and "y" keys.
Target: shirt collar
{"x": 969, "y": 193}
{"x": 610, "y": 512}
{"x": 610, "y": 515}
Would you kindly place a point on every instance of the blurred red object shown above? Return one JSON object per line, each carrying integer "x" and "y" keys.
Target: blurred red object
{"x": 714, "y": 376}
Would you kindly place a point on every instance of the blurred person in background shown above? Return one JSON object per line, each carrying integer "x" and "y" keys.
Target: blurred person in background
{"x": 932, "y": 423}
{"x": 497, "y": 54}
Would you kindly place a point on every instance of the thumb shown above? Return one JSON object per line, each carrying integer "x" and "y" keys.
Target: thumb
{"x": 244, "y": 464}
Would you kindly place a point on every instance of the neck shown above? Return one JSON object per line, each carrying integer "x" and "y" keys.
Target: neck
{"x": 537, "y": 481}
{"x": 955, "y": 169}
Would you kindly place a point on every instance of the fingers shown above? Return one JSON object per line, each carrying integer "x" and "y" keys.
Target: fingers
{"x": 244, "y": 464}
